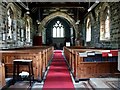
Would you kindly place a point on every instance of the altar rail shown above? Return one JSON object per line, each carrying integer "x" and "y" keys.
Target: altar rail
{"x": 95, "y": 65}
{"x": 40, "y": 56}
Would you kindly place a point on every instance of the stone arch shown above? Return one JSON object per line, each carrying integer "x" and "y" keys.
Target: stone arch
{"x": 27, "y": 17}
{"x": 11, "y": 5}
{"x": 104, "y": 6}
{"x": 62, "y": 15}
{"x": 102, "y": 11}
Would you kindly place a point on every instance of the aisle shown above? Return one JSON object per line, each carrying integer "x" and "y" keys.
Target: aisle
{"x": 58, "y": 75}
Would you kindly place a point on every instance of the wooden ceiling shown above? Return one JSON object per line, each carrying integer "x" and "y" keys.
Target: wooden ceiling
{"x": 75, "y": 9}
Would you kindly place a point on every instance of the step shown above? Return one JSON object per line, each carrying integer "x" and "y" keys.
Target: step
{"x": 82, "y": 85}
{"x": 111, "y": 83}
{"x": 98, "y": 83}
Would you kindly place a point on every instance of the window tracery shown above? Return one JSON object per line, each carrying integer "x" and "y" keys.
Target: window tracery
{"x": 58, "y": 30}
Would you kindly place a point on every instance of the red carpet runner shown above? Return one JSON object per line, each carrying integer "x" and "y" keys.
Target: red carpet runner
{"x": 58, "y": 76}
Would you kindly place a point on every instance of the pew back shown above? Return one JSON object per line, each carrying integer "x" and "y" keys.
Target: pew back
{"x": 2, "y": 76}
{"x": 39, "y": 56}
{"x": 87, "y": 63}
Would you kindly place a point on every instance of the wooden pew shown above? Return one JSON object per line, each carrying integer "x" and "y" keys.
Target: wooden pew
{"x": 69, "y": 53}
{"x": 2, "y": 75}
{"x": 84, "y": 70}
{"x": 93, "y": 69}
{"x": 39, "y": 56}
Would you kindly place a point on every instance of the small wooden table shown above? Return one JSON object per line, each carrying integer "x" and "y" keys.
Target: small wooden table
{"x": 19, "y": 62}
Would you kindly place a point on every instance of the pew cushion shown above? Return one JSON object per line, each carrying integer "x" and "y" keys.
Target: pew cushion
{"x": 104, "y": 54}
{"x": 84, "y": 54}
{"x": 114, "y": 52}
{"x": 91, "y": 53}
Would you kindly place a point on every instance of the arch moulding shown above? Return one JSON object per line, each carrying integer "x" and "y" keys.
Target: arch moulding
{"x": 62, "y": 15}
{"x": 12, "y": 6}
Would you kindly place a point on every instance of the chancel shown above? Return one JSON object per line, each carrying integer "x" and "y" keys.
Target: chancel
{"x": 59, "y": 45}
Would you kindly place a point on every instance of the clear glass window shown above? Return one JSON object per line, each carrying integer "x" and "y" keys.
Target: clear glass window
{"x": 58, "y": 30}
{"x": 88, "y": 30}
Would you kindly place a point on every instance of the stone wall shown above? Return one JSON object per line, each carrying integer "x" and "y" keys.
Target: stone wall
{"x": 115, "y": 24}
{"x": 2, "y": 23}
{"x": 114, "y": 27}
{"x": 18, "y": 31}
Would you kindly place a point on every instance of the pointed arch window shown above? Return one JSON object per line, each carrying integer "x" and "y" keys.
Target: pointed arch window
{"x": 10, "y": 21}
{"x": 27, "y": 29}
{"x": 58, "y": 30}
{"x": 105, "y": 25}
{"x": 88, "y": 30}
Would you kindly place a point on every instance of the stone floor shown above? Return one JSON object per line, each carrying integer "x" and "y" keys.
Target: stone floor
{"x": 109, "y": 83}
{"x": 105, "y": 83}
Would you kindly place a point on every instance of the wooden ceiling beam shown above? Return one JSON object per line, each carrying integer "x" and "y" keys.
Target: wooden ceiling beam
{"x": 58, "y": 5}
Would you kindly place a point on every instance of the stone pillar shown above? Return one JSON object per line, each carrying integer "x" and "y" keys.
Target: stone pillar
{"x": 44, "y": 36}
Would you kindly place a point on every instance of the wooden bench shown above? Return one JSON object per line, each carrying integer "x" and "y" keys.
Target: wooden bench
{"x": 39, "y": 56}
{"x": 2, "y": 75}
{"x": 83, "y": 69}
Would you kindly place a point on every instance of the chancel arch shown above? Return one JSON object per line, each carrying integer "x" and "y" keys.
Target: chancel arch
{"x": 62, "y": 15}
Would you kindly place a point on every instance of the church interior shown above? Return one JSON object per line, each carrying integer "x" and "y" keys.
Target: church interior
{"x": 66, "y": 45}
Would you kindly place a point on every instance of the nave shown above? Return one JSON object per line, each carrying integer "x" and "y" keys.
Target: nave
{"x": 87, "y": 33}
{"x": 56, "y": 77}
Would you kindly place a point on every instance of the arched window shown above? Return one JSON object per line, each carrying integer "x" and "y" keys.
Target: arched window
{"x": 88, "y": 30}
{"x": 27, "y": 30}
{"x": 10, "y": 21}
{"x": 105, "y": 24}
{"x": 58, "y": 30}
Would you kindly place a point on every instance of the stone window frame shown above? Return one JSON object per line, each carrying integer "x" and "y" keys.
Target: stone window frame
{"x": 105, "y": 30}
{"x": 10, "y": 29}
{"x": 28, "y": 24}
{"x": 10, "y": 16}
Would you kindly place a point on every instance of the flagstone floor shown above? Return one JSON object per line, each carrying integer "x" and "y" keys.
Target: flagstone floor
{"x": 110, "y": 83}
